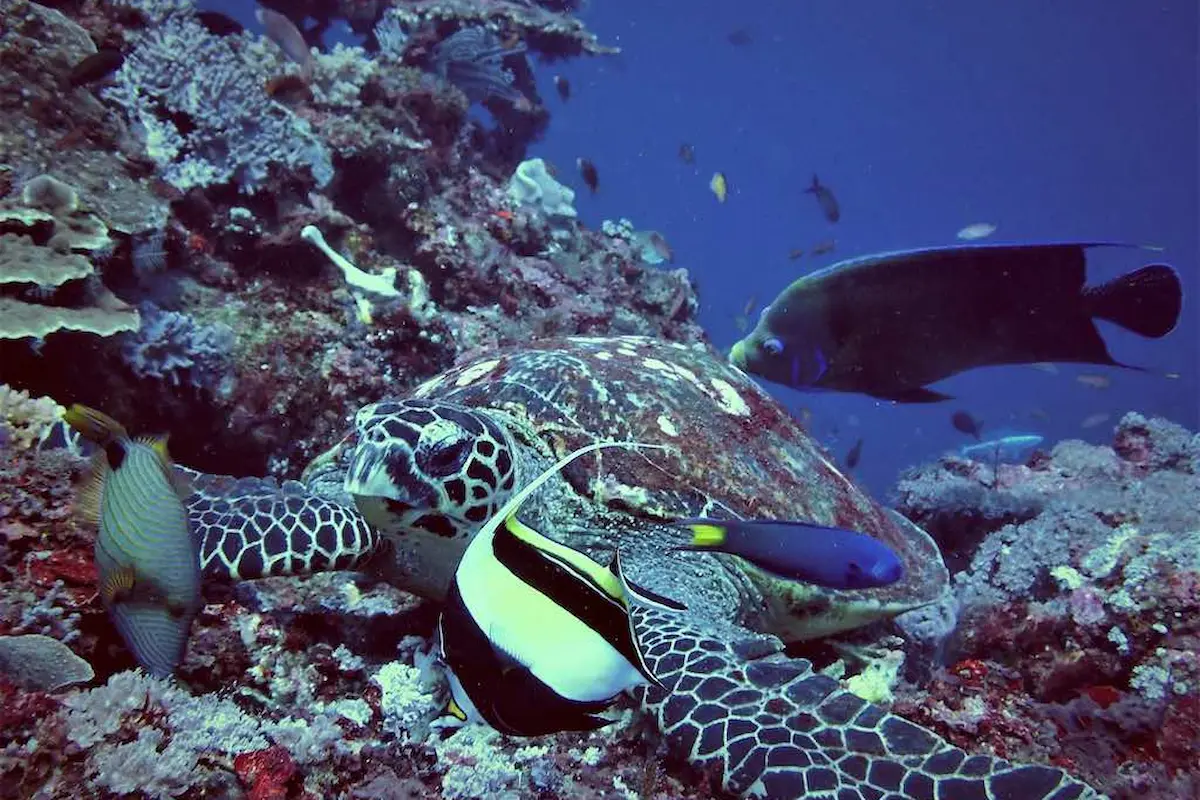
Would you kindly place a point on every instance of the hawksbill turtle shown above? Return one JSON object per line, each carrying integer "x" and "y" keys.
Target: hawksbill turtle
{"x": 414, "y": 479}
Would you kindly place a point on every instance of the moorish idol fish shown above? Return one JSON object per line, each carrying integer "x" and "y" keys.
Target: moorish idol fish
{"x": 536, "y": 637}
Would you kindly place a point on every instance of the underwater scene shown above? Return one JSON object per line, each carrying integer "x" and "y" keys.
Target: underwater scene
{"x": 599, "y": 399}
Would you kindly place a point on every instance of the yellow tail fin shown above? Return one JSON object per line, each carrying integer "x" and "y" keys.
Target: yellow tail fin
{"x": 707, "y": 535}
{"x": 94, "y": 425}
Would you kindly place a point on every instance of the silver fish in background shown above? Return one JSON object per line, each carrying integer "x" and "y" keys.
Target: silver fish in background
{"x": 147, "y": 560}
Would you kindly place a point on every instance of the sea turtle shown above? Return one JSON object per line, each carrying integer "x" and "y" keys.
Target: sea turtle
{"x": 428, "y": 469}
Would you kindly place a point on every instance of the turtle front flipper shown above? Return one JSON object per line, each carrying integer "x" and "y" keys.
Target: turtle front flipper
{"x": 256, "y": 528}
{"x": 776, "y": 729}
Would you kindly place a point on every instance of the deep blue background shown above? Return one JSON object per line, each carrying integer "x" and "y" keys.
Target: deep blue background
{"x": 1068, "y": 120}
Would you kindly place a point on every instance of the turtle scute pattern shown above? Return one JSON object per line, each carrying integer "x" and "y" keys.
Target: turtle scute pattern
{"x": 255, "y": 527}
{"x": 776, "y": 729}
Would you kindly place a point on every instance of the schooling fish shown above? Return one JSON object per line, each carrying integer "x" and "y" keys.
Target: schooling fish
{"x": 147, "y": 560}
{"x": 830, "y": 557}
{"x": 825, "y": 199}
{"x": 587, "y": 171}
{"x": 537, "y": 637}
{"x": 888, "y": 325}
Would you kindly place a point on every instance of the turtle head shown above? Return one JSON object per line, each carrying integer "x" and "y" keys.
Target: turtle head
{"x": 429, "y": 468}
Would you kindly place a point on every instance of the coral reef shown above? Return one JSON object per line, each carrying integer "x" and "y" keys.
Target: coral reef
{"x": 1078, "y": 605}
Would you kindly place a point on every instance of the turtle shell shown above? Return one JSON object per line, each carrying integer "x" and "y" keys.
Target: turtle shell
{"x": 733, "y": 452}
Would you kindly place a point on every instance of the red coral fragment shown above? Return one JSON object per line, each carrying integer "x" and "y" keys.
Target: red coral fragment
{"x": 1103, "y": 696}
{"x": 265, "y": 772}
{"x": 73, "y": 567}
{"x": 970, "y": 671}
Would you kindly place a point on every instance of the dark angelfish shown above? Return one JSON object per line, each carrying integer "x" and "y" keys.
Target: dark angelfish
{"x": 889, "y": 325}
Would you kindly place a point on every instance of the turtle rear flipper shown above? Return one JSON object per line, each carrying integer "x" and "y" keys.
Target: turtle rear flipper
{"x": 774, "y": 728}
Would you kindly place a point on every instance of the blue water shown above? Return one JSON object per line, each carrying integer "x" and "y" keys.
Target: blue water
{"x": 1072, "y": 120}
{"x": 1055, "y": 121}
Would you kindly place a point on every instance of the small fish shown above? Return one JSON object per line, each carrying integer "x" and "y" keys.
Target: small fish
{"x": 659, "y": 245}
{"x": 979, "y": 230}
{"x": 96, "y": 67}
{"x": 219, "y": 24}
{"x": 1094, "y": 381}
{"x": 147, "y": 560}
{"x": 719, "y": 186}
{"x": 855, "y": 455}
{"x": 741, "y": 322}
{"x": 825, "y": 199}
{"x": 821, "y": 248}
{"x": 831, "y": 557}
{"x": 1046, "y": 367}
{"x": 751, "y": 304}
{"x": 1093, "y": 420}
{"x": 740, "y": 37}
{"x": 795, "y": 253}
{"x": 536, "y": 637}
{"x": 563, "y": 87}
{"x": 965, "y": 423}
{"x": 687, "y": 153}
{"x": 284, "y": 33}
{"x": 1172, "y": 375}
{"x": 587, "y": 171}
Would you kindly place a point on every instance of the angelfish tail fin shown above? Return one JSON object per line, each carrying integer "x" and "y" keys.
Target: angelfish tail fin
{"x": 1147, "y": 301}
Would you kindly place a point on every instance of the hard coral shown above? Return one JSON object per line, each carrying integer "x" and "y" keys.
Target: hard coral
{"x": 1078, "y": 584}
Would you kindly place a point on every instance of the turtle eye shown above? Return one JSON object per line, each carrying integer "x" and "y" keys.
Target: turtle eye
{"x": 772, "y": 346}
{"x": 444, "y": 458}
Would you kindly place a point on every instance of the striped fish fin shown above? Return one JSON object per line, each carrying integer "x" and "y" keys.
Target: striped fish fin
{"x": 156, "y": 637}
{"x": 640, "y": 663}
{"x": 641, "y": 594}
{"x": 117, "y": 583}
{"x": 180, "y": 482}
{"x": 90, "y": 493}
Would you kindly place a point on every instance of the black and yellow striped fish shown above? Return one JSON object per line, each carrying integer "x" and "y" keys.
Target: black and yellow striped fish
{"x": 536, "y": 637}
{"x": 146, "y": 558}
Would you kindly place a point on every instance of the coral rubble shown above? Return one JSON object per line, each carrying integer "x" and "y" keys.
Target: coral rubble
{"x": 1078, "y": 607}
